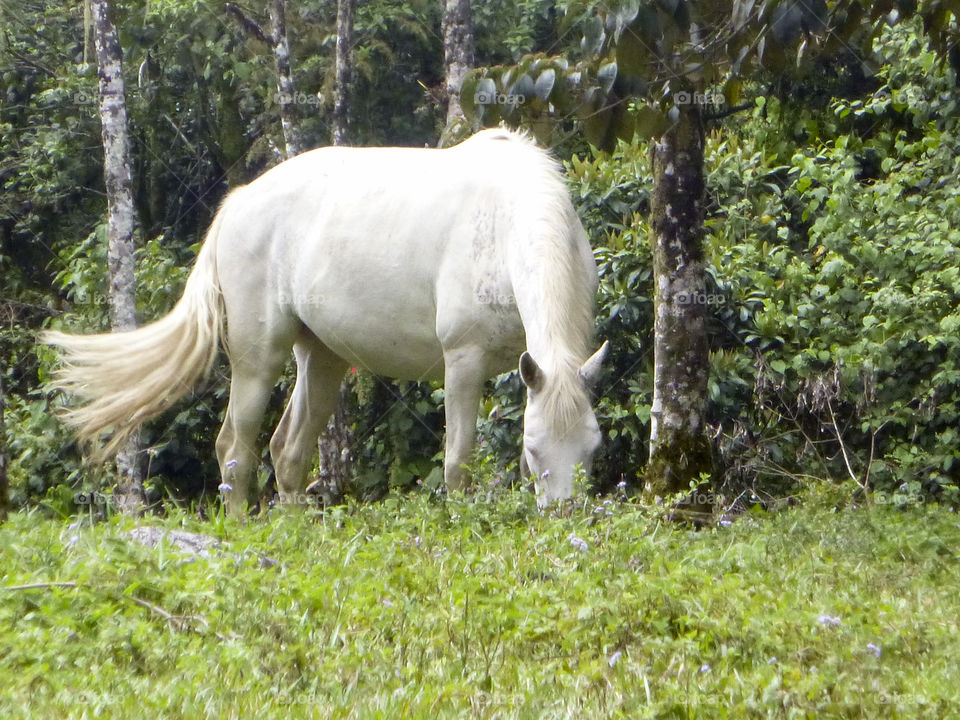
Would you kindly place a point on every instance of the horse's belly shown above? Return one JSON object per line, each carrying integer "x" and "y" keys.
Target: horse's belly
{"x": 401, "y": 342}
{"x": 385, "y": 351}
{"x": 383, "y": 336}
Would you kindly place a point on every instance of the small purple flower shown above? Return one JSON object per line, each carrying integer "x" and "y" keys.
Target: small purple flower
{"x": 612, "y": 660}
{"x": 578, "y": 543}
{"x": 829, "y": 620}
{"x": 225, "y": 487}
{"x": 875, "y": 649}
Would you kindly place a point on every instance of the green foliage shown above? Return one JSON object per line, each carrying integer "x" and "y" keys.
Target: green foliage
{"x": 831, "y": 223}
{"x": 486, "y": 609}
{"x": 638, "y": 60}
{"x": 844, "y": 262}
{"x": 831, "y": 252}
{"x": 612, "y": 193}
{"x": 398, "y": 436}
{"x": 505, "y": 32}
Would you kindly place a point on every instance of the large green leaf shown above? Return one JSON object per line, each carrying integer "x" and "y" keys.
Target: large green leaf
{"x": 593, "y": 37}
{"x": 545, "y": 83}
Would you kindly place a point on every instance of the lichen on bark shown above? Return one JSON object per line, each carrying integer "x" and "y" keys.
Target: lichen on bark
{"x": 458, "y": 55}
{"x": 680, "y": 451}
{"x": 120, "y": 222}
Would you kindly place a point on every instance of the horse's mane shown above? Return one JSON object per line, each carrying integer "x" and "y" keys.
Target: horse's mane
{"x": 565, "y": 289}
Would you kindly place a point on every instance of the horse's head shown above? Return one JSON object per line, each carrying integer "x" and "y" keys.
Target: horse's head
{"x": 560, "y": 429}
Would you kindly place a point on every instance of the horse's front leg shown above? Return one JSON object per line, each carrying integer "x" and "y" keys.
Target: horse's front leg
{"x": 464, "y": 369}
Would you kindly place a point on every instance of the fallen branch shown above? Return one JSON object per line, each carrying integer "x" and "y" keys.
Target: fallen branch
{"x": 178, "y": 622}
{"x": 41, "y": 585}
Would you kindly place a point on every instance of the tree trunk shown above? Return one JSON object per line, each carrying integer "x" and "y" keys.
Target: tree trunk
{"x": 89, "y": 46}
{"x": 346, "y": 9}
{"x": 336, "y": 443}
{"x": 230, "y": 144}
{"x": 458, "y": 55}
{"x": 116, "y": 167}
{"x": 285, "y": 85}
{"x": 4, "y": 487}
{"x": 336, "y": 460}
{"x": 680, "y": 450}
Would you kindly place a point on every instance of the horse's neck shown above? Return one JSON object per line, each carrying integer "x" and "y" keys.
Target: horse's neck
{"x": 550, "y": 313}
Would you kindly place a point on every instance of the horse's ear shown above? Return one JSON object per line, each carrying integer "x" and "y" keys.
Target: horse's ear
{"x": 530, "y": 372}
{"x": 590, "y": 370}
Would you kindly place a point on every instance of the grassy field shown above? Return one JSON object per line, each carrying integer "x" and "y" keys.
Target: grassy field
{"x": 418, "y": 608}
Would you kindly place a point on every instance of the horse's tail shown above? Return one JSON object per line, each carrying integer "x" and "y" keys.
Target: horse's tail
{"x": 119, "y": 380}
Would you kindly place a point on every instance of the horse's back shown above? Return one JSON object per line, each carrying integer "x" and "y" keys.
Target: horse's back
{"x": 387, "y": 253}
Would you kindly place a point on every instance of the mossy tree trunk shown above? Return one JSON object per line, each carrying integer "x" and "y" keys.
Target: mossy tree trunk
{"x": 346, "y": 10}
{"x": 230, "y": 145}
{"x": 458, "y": 56}
{"x": 120, "y": 221}
{"x": 4, "y": 486}
{"x": 275, "y": 37}
{"x": 285, "y": 85}
{"x": 89, "y": 46}
{"x": 336, "y": 444}
{"x": 680, "y": 451}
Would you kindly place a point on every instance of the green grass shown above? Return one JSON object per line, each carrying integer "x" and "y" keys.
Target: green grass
{"x": 413, "y": 608}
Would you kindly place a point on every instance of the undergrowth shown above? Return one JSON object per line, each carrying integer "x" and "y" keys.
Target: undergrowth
{"x": 416, "y": 607}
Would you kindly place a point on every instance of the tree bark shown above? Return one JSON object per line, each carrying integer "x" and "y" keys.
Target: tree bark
{"x": 285, "y": 86}
{"x": 458, "y": 55}
{"x": 336, "y": 444}
{"x": 89, "y": 46}
{"x": 346, "y": 10}
{"x": 4, "y": 486}
{"x": 680, "y": 450}
{"x": 287, "y": 97}
{"x": 120, "y": 221}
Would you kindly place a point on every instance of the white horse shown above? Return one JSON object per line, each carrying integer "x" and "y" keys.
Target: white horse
{"x": 416, "y": 264}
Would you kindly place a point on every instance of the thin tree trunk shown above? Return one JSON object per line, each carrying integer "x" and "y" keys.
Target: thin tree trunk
{"x": 116, "y": 167}
{"x": 336, "y": 443}
{"x": 458, "y": 55}
{"x": 680, "y": 450}
{"x": 4, "y": 487}
{"x": 287, "y": 97}
{"x": 346, "y": 9}
{"x": 89, "y": 46}
{"x": 285, "y": 85}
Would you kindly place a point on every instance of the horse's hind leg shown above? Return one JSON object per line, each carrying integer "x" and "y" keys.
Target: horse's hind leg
{"x": 255, "y": 365}
{"x": 294, "y": 443}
